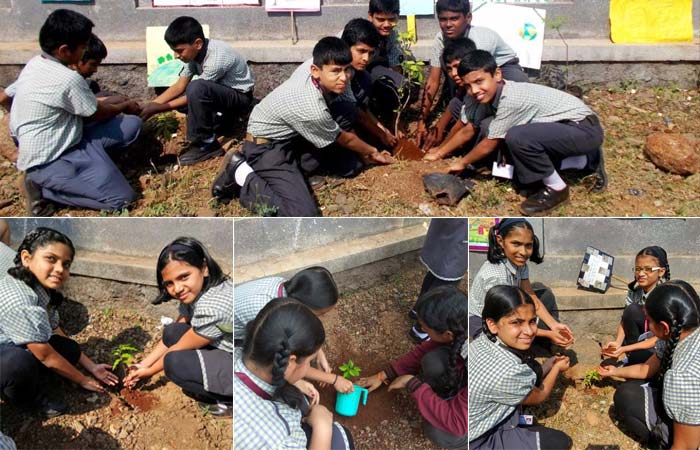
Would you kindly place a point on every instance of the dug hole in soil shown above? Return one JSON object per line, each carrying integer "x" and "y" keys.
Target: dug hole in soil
{"x": 100, "y": 316}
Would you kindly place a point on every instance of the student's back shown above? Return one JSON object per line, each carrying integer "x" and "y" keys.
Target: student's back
{"x": 7, "y": 259}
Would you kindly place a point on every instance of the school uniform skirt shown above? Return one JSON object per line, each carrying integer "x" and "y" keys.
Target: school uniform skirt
{"x": 508, "y": 435}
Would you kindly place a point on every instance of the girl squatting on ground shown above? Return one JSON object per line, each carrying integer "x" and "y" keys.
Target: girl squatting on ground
{"x": 315, "y": 288}
{"x": 633, "y": 335}
{"x": 512, "y": 243}
{"x": 279, "y": 346}
{"x": 32, "y": 345}
{"x": 196, "y": 351}
{"x": 434, "y": 371}
{"x": 504, "y": 376}
{"x": 660, "y": 405}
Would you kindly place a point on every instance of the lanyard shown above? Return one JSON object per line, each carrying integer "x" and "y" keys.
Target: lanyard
{"x": 280, "y": 290}
{"x": 252, "y": 386}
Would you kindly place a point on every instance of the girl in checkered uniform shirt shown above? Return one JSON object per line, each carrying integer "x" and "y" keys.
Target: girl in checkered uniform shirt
{"x": 504, "y": 376}
{"x": 665, "y": 411}
{"x": 31, "y": 340}
{"x": 633, "y": 335}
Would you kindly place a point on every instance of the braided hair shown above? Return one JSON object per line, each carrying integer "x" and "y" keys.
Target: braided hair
{"x": 35, "y": 239}
{"x": 660, "y": 254}
{"x": 501, "y": 301}
{"x": 194, "y": 253}
{"x": 442, "y": 309}
{"x": 284, "y": 327}
{"x": 495, "y": 253}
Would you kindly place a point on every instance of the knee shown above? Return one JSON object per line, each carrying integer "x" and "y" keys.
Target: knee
{"x": 173, "y": 332}
{"x": 514, "y": 138}
{"x": 625, "y": 397}
{"x": 195, "y": 89}
{"x": 170, "y": 364}
{"x": 132, "y": 128}
{"x": 120, "y": 197}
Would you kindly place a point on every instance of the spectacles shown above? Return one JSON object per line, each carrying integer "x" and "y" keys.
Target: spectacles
{"x": 645, "y": 269}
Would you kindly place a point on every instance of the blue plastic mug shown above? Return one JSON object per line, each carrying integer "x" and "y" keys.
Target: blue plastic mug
{"x": 347, "y": 404}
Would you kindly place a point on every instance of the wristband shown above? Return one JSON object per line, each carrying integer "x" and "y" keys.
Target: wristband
{"x": 336, "y": 379}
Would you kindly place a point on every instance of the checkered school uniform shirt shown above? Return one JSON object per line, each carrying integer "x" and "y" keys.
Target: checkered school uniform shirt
{"x": 6, "y": 443}
{"x": 260, "y": 423}
{"x": 251, "y": 297}
{"x": 222, "y": 65}
{"x": 214, "y": 307}
{"x": 636, "y": 296}
{"x": 296, "y": 107}
{"x": 388, "y": 48}
{"x": 498, "y": 383}
{"x": 484, "y": 39}
{"x": 489, "y": 275}
{"x": 25, "y": 314}
{"x": 523, "y": 103}
{"x": 7, "y": 259}
{"x": 681, "y": 392}
{"x": 48, "y": 106}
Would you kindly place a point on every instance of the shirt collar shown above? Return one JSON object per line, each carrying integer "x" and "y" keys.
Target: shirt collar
{"x": 199, "y": 59}
{"x": 499, "y": 91}
{"x": 267, "y": 387}
{"x": 52, "y": 58}
{"x": 512, "y": 268}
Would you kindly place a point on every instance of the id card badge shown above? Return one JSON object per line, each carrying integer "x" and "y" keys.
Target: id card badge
{"x": 525, "y": 419}
{"x": 502, "y": 170}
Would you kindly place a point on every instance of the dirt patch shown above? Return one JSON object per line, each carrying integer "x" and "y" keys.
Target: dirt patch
{"x": 100, "y": 322}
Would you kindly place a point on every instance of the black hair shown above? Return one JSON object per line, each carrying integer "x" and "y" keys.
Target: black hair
{"x": 457, "y": 49}
{"x": 384, "y": 7}
{"x": 495, "y": 253}
{"x": 660, "y": 254}
{"x": 183, "y": 30}
{"x": 331, "y": 50}
{"x": 478, "y": 60}
{"x": 194, "y": 253}
{"x": 284, "y": 327}
{"x": 35, "y": 239}
{"x": 64, "y": 27}
{"x": 95, "y": 49}
{"x": 314, "y": 287}
{"x": 361, "y": 31}
{"x": 458, "y": 6}
{"x": 676, "y": 303}
{"x": 500, "y": 302}
{"x": 442, "y": 309}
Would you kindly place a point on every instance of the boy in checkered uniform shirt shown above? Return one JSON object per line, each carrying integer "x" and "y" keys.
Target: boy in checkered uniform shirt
{"x": 222, "y": 91}
{"x": 544, "y": 131}
{"x": 291, "y": 121}
{"x": 504, "y": 376}
{"x": 64, "y": 160}
{"x": 660, "y": 402}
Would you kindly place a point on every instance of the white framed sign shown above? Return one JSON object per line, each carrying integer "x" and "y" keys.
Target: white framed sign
{"x": 292, "y": 5}
{"x": 195, "y": 3}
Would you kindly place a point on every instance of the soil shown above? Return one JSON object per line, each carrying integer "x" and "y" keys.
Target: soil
{"x": 628, "y": 115}
{"x": 104, "y": 421}
{"x": 408, "y": 150}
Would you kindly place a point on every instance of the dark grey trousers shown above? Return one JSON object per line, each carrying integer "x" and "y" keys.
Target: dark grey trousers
{"x": 207, "y": 98}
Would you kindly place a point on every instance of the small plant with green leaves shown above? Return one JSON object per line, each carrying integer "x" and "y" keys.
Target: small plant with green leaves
{"x": 590, "y": 378}
{"x": 350, "y": 369}
{"x": 413, "y": 74}
{"x": 124, "y": 354}
{"x": 162, "y": 126}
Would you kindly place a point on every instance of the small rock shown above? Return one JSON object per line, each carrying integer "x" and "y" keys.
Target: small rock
{"x": 341, "y": 199}
{"x": 92, "y": 399}
{"x": 123, "y": 435}
{"x": 592, "y": 418}
{"x": 78, "y": 427}
{"x": 658, "y": 203}
{"x": 113, "y": 429}
{"x": 673, "y": 153}
{"x": 425, "y": 209}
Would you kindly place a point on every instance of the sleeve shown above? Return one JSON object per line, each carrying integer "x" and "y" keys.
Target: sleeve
{"x": 681, "y": 396}
{"x": 629, "y": 300}
{"x": 660, "y": 348}
{"x": 450, "y": 415}
{"x": 29, "y": 324}
{"x": 186, "y": 71}
{"x": 184, "y": 310}
{"x": 205, "y": 321}
{"x": 11, "y": 90}
{"x": 321, "y": 132}
{"x": 511, "y": 388}
{"x": 54, "y": 318}
{"x": 215, "y": 69}
{"x": 503, "y": 121}
{"x": 6, "y": 443}
{"x": 436, "y": 54}
{"x": 469, "y": 110}
{"x": 78, "y": 99}
{"x": 410, "y": 362}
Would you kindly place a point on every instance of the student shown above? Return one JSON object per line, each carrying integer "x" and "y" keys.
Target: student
{"x": 545, "y": 130}
{"x": 32, "y": 344}
{"x": 280, "y": 344}
{"x": 314, "y": 287}
{"x": 445, "y": 255}
{"x": 65, "y": 162}
{"x": 504, "y": 376}
{"x": 433, "y": 372}
{"x": 224, "y": 85}
{"x": 195, "y": 352}
{"x": 512, "y": 243}
{"x": 665, "y": 413}
{"x": 633, "y": 336}
{"x": 290, "y": 120}
{"x": 454, "y": 17}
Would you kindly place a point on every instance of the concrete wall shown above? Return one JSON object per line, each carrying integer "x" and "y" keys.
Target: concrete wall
{"x": 136, "y": 242}
{"x": 260, "y": 239}
{"x": 127, "y": 19}
{"x": 565, "y": 241}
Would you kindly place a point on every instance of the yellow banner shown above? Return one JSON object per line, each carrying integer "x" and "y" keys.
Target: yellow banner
{"x": 638, "y": 21}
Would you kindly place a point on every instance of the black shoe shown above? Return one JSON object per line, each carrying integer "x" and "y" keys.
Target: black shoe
{"x": 218, "y": 409}
{"x": 50, "y": 408}
{"x": 544, "y": 201}
{"x": 198, "y": 152}
{"x": 225, "y": 187}
{"x": 37, "y": 206}
{"x": 599, "y": 175}
{"x": 417, "y": 334}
